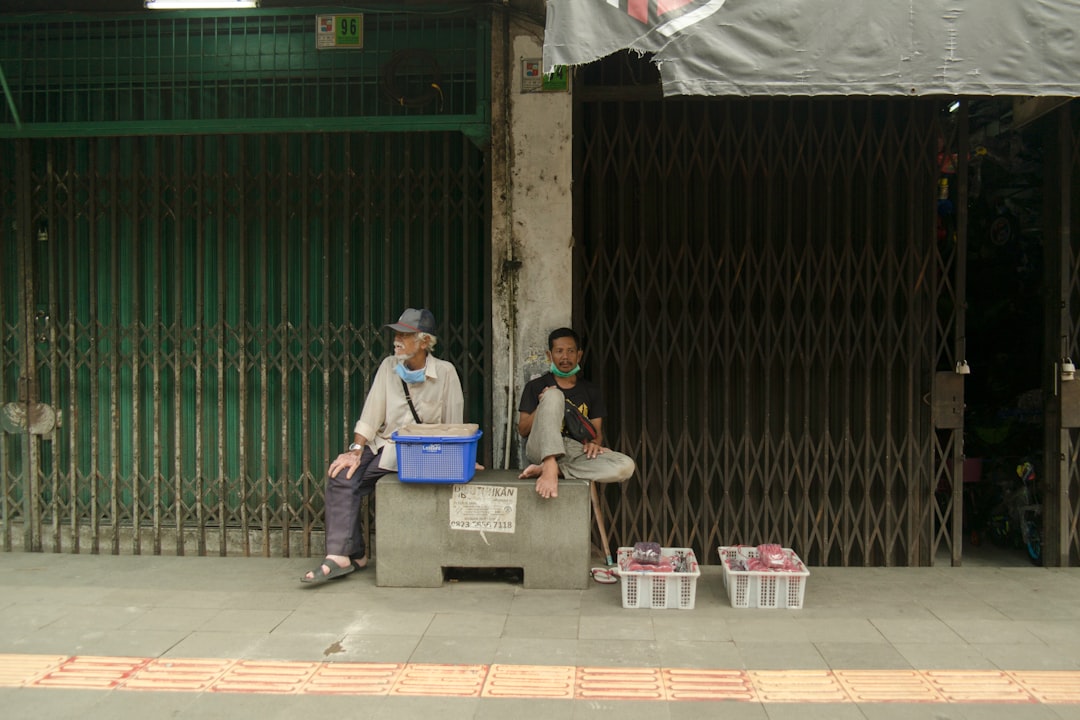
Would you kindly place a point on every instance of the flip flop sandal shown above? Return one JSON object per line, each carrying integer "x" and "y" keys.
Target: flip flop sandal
{"x": 318, "y": 577}
{"x": 606, "y": 575}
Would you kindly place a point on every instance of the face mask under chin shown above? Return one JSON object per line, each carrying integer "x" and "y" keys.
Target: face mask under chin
{"x": 409, "y": 376}
{"x": 559, "y": 373}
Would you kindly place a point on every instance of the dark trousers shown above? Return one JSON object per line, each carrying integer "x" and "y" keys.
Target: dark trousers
{"x": 344, "y": 496}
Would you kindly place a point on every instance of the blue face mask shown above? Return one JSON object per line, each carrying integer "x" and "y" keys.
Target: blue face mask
{"x": 559, "y": 373}
{"x": 410, "y": 376}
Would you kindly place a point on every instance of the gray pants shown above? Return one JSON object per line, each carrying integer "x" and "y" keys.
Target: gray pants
{"x": 546, "y": 439}
{"x": 344, "y": 496}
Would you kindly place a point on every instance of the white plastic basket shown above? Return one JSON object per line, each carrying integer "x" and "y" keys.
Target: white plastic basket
{"x": 659, "y": 590}
{"x": 762, "y": 588}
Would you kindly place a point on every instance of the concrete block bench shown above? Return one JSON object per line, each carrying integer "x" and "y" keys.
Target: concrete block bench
{"x": 496, "y": 521}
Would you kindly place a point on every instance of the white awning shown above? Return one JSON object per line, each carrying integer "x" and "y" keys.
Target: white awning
{"x": 831, "y": 47}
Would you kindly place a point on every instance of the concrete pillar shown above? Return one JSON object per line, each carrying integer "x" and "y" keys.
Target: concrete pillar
{"x": 532, "y": 228}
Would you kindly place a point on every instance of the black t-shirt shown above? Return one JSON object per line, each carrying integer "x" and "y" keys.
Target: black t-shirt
{"x": 585, "y": 395}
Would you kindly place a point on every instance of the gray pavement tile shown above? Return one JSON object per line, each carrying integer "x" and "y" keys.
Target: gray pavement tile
{"x": 128, "y": 643}
{"x": 311, "y": 647}
{"x": 524, "y": 709}
{"x": 1055, "y": 632}
{"x": 172, "y": 618}
{"x": 161, "y": 597}
{"x": 719, "y": 655}
{"x": 302, "y": 621}
{"x": 98, "y": 618}
{"x": 23, "y": 618}
{"x": 263, "y": 600}
{"x": 32, "y": 595}
{"x": 813, "y": 711}
{"x": 861, "y": 655}
{"x": 455, "y": 650}
{"x": 849, "y": 630}
{"x": 1014, "y": 711}
{"x": 425, "y": 708}
{"x": 687, "y": 626}
{"x": 536, "y": 651}
{"x": 769, "y": 626}
{"x": 123, "y": 704}
{"x": 306, "y": 647}
{"x": 623, "y": 710}
{"x": 376, "y": 648}
{"x": 250, "y": 620}
{"x": 54, "y": 704}
{"x": 602, "y": 599}
{"x": 913, "y": 711}
{"x": 636, "y": 627}
{"x": 966, "y": 609}
{"x": 780, "y": 656}
{"x": 915, "y": 630}
{"x": 1009, "y": 656}
{"x": 938, "y": 711}
{"x": 389, "y": 622}
{"x": 237, "y": 706}
{"x": 727, "y": 710}
{"x": 481, "y": 596}
{"x": 209, "y": 644}
{"x": 926, "y": 656}
{"x": 467, "y": 625}
{"x": 542, "y": 626}
{"x": 618, "y": 653}
{"x": 322, "y": 599}
{"x": 541, "y": 602}
{"x": 995, "y": 631}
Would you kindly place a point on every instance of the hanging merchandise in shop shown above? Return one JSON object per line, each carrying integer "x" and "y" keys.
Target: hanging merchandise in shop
{"x": 831, "y": 47}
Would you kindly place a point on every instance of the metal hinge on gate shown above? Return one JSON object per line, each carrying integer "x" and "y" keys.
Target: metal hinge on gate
{"x": 947, "y": 400}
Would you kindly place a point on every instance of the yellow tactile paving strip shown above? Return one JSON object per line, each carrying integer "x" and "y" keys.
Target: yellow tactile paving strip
{"x": 539, "y": 681}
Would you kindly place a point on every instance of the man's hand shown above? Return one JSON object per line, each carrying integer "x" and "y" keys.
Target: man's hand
{"x": 593, "y": 449}
{"x": 344, "y": 460}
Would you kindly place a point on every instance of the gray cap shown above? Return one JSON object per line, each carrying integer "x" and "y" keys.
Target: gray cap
{"x": 413, "y": 320}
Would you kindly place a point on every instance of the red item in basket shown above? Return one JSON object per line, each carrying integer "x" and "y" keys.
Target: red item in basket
{"x": 759, "y": 564}
{"x": 662, "y": 566}
{"x": 772, "y": 555}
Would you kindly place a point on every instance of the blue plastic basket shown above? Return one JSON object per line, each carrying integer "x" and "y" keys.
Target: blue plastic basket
{"x": 432, "y": 459}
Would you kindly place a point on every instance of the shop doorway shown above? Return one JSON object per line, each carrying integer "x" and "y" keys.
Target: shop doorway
{"x": 1006, "y": 290}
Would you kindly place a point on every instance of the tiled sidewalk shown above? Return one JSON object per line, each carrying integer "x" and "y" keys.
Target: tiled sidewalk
{"x": 102, "y": 636}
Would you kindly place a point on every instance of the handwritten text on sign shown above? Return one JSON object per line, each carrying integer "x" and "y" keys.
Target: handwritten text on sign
{"x": 484, "y": 508}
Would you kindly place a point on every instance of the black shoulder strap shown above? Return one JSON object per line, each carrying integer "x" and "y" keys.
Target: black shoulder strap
{"x": 408, "y": 397}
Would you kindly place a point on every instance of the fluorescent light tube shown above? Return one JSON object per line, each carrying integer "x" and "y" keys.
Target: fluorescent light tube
{"x": 201, "y": 4}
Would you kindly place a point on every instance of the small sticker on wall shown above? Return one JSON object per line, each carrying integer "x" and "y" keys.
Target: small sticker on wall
{"x": 534, "y": 80}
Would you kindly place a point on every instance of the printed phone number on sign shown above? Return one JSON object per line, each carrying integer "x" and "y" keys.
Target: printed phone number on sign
{"x": 502, "y": 525}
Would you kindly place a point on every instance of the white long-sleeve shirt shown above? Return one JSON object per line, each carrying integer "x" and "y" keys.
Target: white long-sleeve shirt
{"x": 438, "y": 400}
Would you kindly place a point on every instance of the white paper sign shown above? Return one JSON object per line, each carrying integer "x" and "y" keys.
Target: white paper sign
{"x": 483, "y": 508}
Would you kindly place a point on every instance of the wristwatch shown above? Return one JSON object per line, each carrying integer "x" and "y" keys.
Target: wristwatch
{"x": 355, "y": 446}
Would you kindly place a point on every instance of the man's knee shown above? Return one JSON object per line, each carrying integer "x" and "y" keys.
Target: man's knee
{"x": 621, "y": 468}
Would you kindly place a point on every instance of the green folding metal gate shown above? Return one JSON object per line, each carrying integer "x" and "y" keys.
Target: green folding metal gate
{"x": 190, "y": 313}
{"x": 204, "y": 315}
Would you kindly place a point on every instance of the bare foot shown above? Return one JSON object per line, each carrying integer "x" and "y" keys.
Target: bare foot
{"x": 547, "y": 485}
{"x": 530, "y": 472}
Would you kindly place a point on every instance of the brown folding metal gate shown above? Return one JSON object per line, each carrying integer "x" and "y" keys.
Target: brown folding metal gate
{"x": 767, "y": 298}
{"x": 1062, "y": 498}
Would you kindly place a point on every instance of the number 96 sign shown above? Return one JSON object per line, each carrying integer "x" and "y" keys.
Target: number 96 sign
{"x": 339, "y": 31}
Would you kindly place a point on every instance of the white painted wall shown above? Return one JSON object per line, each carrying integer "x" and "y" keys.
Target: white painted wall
{"x": 532, "y": 226}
